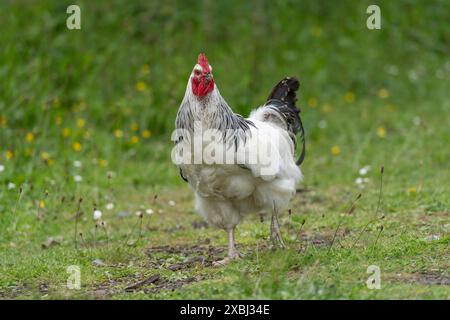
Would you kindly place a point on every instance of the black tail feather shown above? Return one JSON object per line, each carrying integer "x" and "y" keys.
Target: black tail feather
{"x": 283, "y": 97}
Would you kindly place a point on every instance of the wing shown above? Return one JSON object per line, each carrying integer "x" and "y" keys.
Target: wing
{"x": 268, "y": 152}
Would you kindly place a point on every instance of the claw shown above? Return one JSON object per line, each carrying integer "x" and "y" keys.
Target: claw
{"x": 221, "y": 263}
{"x": 233, "y": 256}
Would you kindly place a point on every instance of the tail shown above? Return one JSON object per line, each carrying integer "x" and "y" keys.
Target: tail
{"x": 283, "y": 98}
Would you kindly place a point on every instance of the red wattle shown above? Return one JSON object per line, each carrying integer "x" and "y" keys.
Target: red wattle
{"x": 200, "y": 89}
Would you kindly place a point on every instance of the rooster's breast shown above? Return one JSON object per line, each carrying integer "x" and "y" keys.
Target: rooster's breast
{"x": 227, "y": 181}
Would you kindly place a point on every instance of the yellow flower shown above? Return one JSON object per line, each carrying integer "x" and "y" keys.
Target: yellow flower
{"x": 335, "y": 150}
{"x": 45, "y": 156}
{"x": 146, "y": 134}
{"x": 29, "y": 137}
{"x": 81, "y": 122}
{"x": 42, "y": 204}
{"x": 412, "y": 190}
{"x": 383, "y": 93}
{"x": 134, "y": 139}
{"x": 327, "y": 108}
{"x": 118, "y": 133}
{"x": 312, "y": 102}
{"x": 134, "y": 127}
{"x": 316, "y": 32}
{"x": 145, "y": 69}
{"x": 76, "y": 146}
{"x": 9, "y": 154}
{"x": 349, "y": 97}
{"x": 66, "y": 132}
{"x": 381, "y": 132}
{"x": 50, "y": 162}
{"x": 141, "y": 86}
{"x": 58, "y": 120}
{"x": 3, "y": 122}
{"x": 102, "y": 162}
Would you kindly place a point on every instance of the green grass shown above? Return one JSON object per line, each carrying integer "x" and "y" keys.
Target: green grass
{"x": 377, "y": 98}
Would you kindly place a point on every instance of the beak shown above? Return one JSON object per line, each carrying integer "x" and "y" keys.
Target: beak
{"x": 208, "y": 77}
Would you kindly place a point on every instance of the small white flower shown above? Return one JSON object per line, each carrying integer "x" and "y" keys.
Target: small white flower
{"x": 363, "y": 171}
{"x": 78, "y": 178}
{"x": 11, "y": 186}
{"x": 323, "y": 124}
{"x": 171, "y": 203}
{"x": 110, "y": 206}
{"x": 77, "y": 164}
{"x": 139, "y": 213}
{"x": 359, "y": 180}
{"x": 2, "y": 168}
{"x": 149, "y": 211}
{"x": 97, "y": 214}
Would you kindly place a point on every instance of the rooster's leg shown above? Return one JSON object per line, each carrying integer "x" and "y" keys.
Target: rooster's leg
{"x": 232, "y": 251}
{"x": 275, "y": 230}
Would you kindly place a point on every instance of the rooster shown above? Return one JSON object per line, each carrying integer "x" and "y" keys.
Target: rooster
{"x": 262, "y": 175}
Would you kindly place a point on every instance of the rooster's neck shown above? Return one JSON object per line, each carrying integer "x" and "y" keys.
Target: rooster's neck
{"x": 211, "y": 111}
{"x": 208, "y": 110}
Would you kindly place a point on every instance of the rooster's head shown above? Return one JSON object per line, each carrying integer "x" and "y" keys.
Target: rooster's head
{"x": 201, "y": 78}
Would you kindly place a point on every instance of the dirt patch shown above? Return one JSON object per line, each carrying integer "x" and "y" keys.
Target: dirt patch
{"x": 149, "y": 284}
{"x": 426, "y": 278}
{"x": 175, "y": 228}
{"x": 156, "y": 283}
{"x": 14, "y": 290}
{"x": 139, "y": 284}
{"x": 175, "y": 258}
{"x": 324, "y": 238}
{"x": 189, "y": 256}
{"x": 170, "y": 284}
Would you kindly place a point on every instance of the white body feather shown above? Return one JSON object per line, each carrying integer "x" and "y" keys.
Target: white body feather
{"x": 224, "y": 193}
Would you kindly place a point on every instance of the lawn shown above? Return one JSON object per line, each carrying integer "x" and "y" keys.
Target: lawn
{"x": 85, "y": 123}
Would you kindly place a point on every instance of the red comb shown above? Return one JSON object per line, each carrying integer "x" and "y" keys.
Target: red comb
{"x": 203, "y": 62}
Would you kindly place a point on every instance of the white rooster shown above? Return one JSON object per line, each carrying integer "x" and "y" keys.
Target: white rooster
{"x": 237, "y": 166}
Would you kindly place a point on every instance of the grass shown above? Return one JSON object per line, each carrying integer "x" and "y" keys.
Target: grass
{"x": 99, "y": 104}
{"x": 412, "y": 265}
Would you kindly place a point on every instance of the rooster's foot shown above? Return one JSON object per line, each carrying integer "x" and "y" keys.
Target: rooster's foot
{"x": 231, "y": 256}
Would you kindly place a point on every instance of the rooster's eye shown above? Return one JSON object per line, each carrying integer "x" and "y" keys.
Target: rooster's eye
{"x": 197, "y": 72}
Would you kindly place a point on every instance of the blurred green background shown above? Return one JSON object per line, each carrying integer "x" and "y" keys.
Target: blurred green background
{"x": 109, "y": 93}
{"x": 128, "y": 65}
